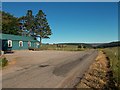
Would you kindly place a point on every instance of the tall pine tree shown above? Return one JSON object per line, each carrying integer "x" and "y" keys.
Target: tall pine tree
{"x": 42, "y": 27}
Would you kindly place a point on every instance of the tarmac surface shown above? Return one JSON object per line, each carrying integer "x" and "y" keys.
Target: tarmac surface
{"x": 46, "y": 69}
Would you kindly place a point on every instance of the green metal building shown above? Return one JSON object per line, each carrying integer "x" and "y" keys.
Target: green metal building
{"x": 15, "y": 42}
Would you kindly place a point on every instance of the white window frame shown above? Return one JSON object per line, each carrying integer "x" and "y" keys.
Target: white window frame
{"x": 9, "y": 43}
{"x": 21, "y": 44}
{"x": 29, "y": 44}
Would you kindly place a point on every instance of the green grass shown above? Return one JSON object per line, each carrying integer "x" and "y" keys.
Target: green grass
{"x": 3, "y": 62}
{"x": 113, "y": 54}
{"x": 64, "y": 48}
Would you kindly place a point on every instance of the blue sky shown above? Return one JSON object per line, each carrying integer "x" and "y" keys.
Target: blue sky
{"x": 87, "y": 22}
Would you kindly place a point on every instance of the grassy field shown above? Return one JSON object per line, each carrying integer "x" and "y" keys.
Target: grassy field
{"x": 113, "y": 54}
{"x": 61, "y": 48}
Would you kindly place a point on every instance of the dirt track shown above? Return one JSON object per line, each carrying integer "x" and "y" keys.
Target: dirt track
{"x": 46, "y": 69}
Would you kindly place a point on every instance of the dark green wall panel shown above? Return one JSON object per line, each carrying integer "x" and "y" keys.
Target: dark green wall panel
{"x": 15, "y": 45}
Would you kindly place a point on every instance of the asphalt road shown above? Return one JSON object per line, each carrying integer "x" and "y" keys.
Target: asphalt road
{"x": 59, "y": 69}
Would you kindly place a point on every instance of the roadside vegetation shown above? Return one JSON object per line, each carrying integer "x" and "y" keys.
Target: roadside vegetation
{"x": 3, "y": 61}
{"x": 113, "y": 55}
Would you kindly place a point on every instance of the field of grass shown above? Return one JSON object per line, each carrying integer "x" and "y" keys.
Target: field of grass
{"x": 113, "y": 54}
{"x": 61, "y": 48}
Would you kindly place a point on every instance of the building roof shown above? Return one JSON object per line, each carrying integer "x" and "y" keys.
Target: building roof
{"x": 17, "y": 37}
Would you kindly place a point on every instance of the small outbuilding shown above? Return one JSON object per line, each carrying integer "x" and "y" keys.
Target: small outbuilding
{"x": 16, "y": 42}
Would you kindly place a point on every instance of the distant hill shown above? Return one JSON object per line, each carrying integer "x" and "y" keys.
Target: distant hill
{"x": 77, "y": 44}
{"x": 111, "y": 44}
{"x": 96, "y": 44}
{"x": 93, "y": 45}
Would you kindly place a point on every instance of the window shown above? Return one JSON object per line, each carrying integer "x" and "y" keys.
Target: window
{"x": 37, "y": 45}
{"x": 9, "y": 43}
{"x": 29, "y": 44}
{"x": 20, "y": 43}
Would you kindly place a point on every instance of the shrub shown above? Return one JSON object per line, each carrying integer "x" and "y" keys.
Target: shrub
{"x": 3, "y": 62}
{"x": 79, "y": 46}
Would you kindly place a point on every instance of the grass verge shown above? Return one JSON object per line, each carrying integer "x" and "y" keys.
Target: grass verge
{"x": 113, "y": 54}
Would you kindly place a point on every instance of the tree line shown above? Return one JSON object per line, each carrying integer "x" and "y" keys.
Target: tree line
{"x": 29, "y": 25}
